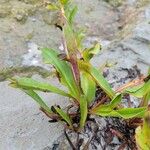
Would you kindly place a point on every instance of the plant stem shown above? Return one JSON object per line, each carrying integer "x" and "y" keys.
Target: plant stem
{"x": 131, "y": 84}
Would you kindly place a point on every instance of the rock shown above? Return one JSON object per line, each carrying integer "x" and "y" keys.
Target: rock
{"x": 21, "y": 11}
{"x": 20, "y": 15}
{"x": 49, "y": 18}
{"x": 5, "y": 10}
{"x": 30, "y": 1}
{"x": 22, "y": 125}
{"x": 4, "y": 1}
{"x": 142, "y": 32}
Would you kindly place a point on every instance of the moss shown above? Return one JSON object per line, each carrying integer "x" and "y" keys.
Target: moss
{"x": 142, "y": 3}
{"x": 21, "y": 11}
{"x": 5, "y": 10}
{"x": 23, "y": 71}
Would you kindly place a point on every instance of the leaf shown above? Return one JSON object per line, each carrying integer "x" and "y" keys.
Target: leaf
{"x": 149, "y": 71}
{"x": 30, "y": 84}
{"x": 70, "y": 38}
{"x": 146, "y": 126}
{"x": 83, "y": 111}
{"x": 38, "y": 99}
{"x": 89, "y": 53}
{"x": 52, "y": 7}
{"x": 64, "y": 115}
{"x": 88, "y": 86}
{"x": 139, "y": 91}
{"x": 107, "y": 108}
{"x": 80, "y": 36}
{"x": 141, "y": 142}
{"x": 51, "y": 57}
{"x": 115, "y": 101}
{"x": 143, "y": 133}
{"x": 147, "y": 97}
{"x": 72, "y": 14}
{"x": 125, "y": 113}
{"x": 101, "y": 82}
{"x": 63, "y": 2}
{"x": 97, "y": 76}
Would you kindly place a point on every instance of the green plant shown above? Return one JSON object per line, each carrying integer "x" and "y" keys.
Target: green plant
{"x": 142, "y": 135}
{"x": 75, "y": 72}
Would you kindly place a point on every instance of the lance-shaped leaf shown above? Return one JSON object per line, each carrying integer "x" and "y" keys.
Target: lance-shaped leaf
{"x": 64, "y": 2}
{"x": 146, "y": 99}
{"x": 97, "y": 76}
{"x": 30, "y": 84}
{"x": 125, "y": 113}
{"x": 88, "y": 86}
{"x": 70, "y": 39}
{"x": 101, "y": 81}
{"x": 50, "y": 56}
{"x": 139, "y": 91}
{"x": 143, "y": 133}
{"x": 89, "y": 53}
{"x": 38, "y": 99}
{"x": 83, "y": 111}
{"x": 80, "y": 36}
{"x": 64, "y": 116}
{"x": 51, "y": 6}
{"x": 115, "y": 101}
{"x": 128, "y": 113}
{"x": 72, "y": 14}
{"x": 142, "y": 144}
{"x": 109, "y": 107}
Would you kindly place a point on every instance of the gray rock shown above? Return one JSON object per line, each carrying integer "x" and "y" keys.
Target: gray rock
{"x": 22, "y": 125}
{"x": 142, "y": 32}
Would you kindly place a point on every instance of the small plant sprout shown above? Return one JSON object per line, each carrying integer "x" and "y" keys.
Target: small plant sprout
{"x": 81, "y": 79}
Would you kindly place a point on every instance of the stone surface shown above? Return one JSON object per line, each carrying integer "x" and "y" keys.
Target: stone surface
{"x": 22, "y": 125}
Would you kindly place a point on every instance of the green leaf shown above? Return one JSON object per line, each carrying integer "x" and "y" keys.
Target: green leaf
{"x": 70, "y": 38}
{"x": 83, "y": 111}
{"x": 89, "y": 53}
{"x": 147, "y": 97}
{"x": 115, "y": 101}
{"x": 109, "y": 107}
{"x": 141, "y": 142}
{"x": 63, "y": 2}
{"x": 28, "y": 83}
{"x": 143, "y": 133}
{"x": 149, "y": 71}
{"x": 80, "y": 36}
{"x": 72, "y": 14}
{"x": 146, "y": 126}
{"x": 51, "y": 57}
{"x": 88, "y": 86}
{"x": 64, "y": 115}
{"x": 125, "y": 113}
{"x": 38, "y": 99}
{"x": 139, "y": 91}
{"x": 52, "y": 7}
{"x": 101, "y": 82}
